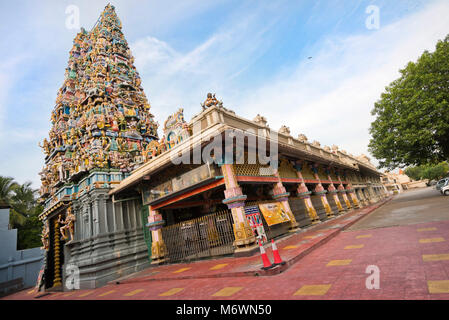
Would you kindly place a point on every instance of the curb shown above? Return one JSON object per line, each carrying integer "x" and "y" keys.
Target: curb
{"x": 271, "y": 272}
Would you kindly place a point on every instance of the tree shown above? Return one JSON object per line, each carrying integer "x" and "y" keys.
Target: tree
{"x": 7, "y": 186}
{"x": 428, "y": 171}
{"x": 24, "y": 211}
{"x": 416, "y": 173}
{"x": 412, "y": 116}
{"x": 436, "y": 172}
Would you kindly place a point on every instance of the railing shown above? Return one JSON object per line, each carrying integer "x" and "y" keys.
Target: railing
{"x": 210, "y": 235}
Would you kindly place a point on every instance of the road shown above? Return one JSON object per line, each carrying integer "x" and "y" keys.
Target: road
{"x": 399, "y": 251}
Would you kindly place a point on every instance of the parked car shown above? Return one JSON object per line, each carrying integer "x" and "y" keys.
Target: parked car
{"x": 445, "y": 190}
{"x": 441, "y": 183}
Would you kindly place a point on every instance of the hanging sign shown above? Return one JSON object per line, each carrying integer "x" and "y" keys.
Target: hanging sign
{"x": 255, "y": 221}
{"x": 274, "y": 213}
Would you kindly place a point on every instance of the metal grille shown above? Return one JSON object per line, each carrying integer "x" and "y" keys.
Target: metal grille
{"x": 253, "y": 170}
{"x": 210, "y": 235}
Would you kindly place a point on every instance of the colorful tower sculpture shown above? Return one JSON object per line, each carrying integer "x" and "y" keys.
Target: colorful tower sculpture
{"x": 101, "y": 118}
{"x": 101, "y": 125}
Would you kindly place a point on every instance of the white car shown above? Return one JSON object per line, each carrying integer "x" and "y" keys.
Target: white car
{"x": 445, "y": 190}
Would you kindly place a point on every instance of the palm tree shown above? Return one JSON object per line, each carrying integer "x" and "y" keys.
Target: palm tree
{"x": 7, "y": 185}
{"x": 22, "y": 203}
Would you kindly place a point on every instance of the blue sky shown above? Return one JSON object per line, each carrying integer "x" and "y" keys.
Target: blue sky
{"x": 253, "y": 54}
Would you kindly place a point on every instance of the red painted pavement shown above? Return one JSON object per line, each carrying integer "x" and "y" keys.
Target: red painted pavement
{"x": 396, "y": 251}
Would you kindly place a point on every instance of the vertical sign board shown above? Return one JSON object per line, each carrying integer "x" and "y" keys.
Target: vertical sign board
{"x": 255, "y": 221}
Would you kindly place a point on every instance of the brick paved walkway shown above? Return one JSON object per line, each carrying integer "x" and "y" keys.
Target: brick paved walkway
{"x": 413, "y": 261}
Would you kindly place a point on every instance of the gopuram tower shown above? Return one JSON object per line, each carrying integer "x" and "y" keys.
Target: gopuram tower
{"x": 101, "y": 127}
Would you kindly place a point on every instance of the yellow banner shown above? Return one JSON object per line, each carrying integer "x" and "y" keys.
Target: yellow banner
{"x": 274, "y": 213}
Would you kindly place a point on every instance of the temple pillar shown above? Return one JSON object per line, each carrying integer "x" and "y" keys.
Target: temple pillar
{"x": 319, "y": 190}
{"x": 374, "y": 196}
{"x": 342, "y": 190}
{"x": 352, "y": 195}
{"x": 235, "y": 200}
{"x": 281, "y": 195}
{"x": 304, "y": 193}
{"x": 332, "y": 190}
{"x": 361, "y": 197}
{"x": 158, "y": 248}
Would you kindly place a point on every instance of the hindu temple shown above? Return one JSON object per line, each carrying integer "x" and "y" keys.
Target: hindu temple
{"x": 119, "y": 198}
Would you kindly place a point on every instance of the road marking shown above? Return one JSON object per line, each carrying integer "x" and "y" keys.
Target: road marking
{"x": 426, "y": 229}
{"x": 430, "y": 240}
{"x": 355, "y": 246}
{"x": 309, "y": 237}
{"x": 68, "y": 294}
{"x": 227, "y": 291}
{"x": 290, "y": 247}
{"x": 86, "y": 293}
{"x": 31, "y": 291}
{"x": 339, "y": 263}
{"x": 106, "y": 293}
{"x": 181, "y": 270}
{"x": 364, "y": 236}
{"x": 219, "y": 266}
{"x": 313, "y": 290}
{"x": 129, "y": 294}
{"x": 171, "y": 292}
{"x": 440, "y": 286}
{"x": 435, "y": 257}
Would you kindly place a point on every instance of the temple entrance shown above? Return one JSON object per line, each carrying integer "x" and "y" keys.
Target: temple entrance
{"x": 205, "y": 236}
{"x": 54, "y": 256}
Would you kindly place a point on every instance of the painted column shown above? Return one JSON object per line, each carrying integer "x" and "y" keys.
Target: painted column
{"x": 361, "y": 197}
{"x": 304, "y": 193}
{"x": 374, "y": 197}
{"x": 281, "y": 195}
{"x": 341, "y": 189}
{"x": 57, "y": 282}
{"x": 158, "y": 248}
{"x": 235, "y": 200}
{"x": 332, "y": 190}
{"x": 350, "y": 191}
{"x": 319, "y": 190}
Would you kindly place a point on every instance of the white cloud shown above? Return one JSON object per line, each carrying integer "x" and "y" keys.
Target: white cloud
{"x": 174, "y": 79}
{"x": 329, "y": 98}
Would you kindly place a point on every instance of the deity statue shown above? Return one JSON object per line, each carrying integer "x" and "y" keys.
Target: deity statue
{"x": 211, "y": 101}
{"x": 45, "y": 237}
{"x": 68, "y": 225}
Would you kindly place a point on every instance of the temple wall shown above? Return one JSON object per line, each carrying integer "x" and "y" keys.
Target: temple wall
{"x": 109, "y": 241}
{"x": 18, "y": 268}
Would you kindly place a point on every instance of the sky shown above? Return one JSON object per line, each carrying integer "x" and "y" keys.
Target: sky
{"x": 315, "y": 66}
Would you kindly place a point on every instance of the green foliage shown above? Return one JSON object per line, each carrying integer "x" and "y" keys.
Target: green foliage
{"x": 436, "y": 172}
{"x": 412, "y": 116}
{"x": 7, "y": 185}
{"x": 24, "y": 211}
{"x": 29, "y": 235}
{"x": 428, "y": 171}
{"x": 416, "y": 173}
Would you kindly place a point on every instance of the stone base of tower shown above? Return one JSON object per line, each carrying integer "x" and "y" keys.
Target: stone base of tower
{"x": 108, "y": 257}
{"x": 109, "y": 239}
